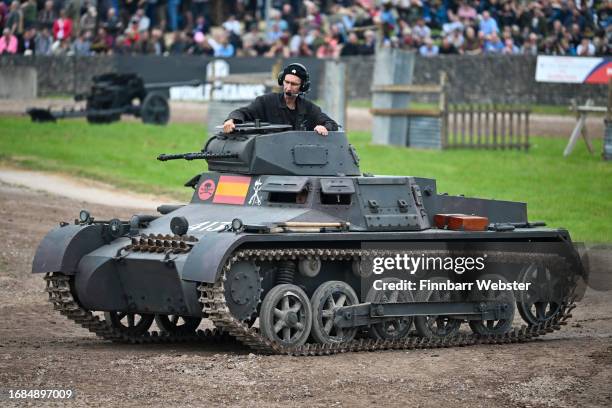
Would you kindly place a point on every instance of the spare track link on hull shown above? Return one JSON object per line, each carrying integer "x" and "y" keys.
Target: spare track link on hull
{"x": 213, "y": 298}
{"x": 60, "y": 295}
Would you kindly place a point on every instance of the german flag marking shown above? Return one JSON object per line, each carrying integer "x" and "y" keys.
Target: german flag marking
{"x": 232, "y": 190}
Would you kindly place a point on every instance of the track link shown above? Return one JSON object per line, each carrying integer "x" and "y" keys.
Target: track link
{"x": 212, "y": 296}
{"x": 60, "y": 295}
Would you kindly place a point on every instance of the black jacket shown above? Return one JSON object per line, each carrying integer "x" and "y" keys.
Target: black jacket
{"x": 272, "y": 108}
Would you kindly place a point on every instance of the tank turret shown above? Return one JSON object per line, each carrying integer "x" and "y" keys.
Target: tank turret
{"x": 256, "y": 151}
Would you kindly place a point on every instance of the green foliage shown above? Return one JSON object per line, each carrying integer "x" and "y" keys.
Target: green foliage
{"x": 575, "y": 192}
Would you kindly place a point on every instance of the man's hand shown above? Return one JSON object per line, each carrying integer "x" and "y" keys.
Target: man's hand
{"x": 229, "y": 126}
{"x": 320, "y": 129}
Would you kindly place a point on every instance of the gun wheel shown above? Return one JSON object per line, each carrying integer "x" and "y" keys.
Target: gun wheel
{"x": 155, "y": 109}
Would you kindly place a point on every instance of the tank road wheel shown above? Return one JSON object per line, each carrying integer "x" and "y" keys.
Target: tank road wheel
{"x": 542, "y": 301}
{"x": 390, "y": 329}
{"x": 175, "y": 324}
{"x": 243, "y": 290}
{"x": 328, "y": 297}
{"x": 286, "y": 316}
{"x": 486, "y": 327}
{"x": 436, "y": 326}
{"x": 155, "y": 109}
{"x": 134, "y": 324}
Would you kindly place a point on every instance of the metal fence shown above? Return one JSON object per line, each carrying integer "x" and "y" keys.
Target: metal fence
{"x": 485, "y": 127}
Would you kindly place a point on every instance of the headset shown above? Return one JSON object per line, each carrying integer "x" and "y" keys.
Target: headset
{"x": 297, "y": 70}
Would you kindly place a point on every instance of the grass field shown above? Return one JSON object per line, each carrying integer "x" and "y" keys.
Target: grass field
{"x": 575, "y": 193}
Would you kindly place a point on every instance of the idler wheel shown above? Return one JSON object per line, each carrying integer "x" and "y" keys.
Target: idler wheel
{"x": 504, "y": 297}
{"x": 436, "y": 326}
{"x": 176, "y": 324}
{"x": 286, "y": 316}
{"x": 328, "y": 297}
{"x": 133, "y": 324}
{"x": 392, "y": 328}
{"x": 542, "y": 301}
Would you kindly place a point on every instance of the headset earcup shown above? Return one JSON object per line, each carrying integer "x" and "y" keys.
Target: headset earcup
{"x": 281, "y": 76}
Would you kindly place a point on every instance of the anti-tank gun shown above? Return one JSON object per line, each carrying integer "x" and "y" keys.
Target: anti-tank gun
{"x": 284, "y": 227}
{"x": 112, "y": 95}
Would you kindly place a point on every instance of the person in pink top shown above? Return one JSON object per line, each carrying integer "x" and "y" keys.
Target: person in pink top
{"x": 466, "y": 11}
{"x": 62, "y": 27}
{"x": 8, "y": 42}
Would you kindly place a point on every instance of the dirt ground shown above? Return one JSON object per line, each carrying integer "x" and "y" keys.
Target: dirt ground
{"x": 40, "y": 349}
{"x": 357, "y": 118}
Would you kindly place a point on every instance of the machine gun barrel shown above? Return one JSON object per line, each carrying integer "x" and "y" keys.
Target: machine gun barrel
{"x": 161, "y": 85}
{"x": 196, "y": 156}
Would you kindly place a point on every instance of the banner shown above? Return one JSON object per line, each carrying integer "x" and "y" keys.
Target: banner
{"x": 573, "y": 70}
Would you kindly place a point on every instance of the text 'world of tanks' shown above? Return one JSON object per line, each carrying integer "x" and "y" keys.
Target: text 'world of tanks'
{"x": 280, "y": 249}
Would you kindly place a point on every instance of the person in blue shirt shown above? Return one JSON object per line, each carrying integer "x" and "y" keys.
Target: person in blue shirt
{"x": 223, "y": 48}
{"x": 494, "y": 44}
{"x": 429, "y": 48}
{"x": 488, "y": 25}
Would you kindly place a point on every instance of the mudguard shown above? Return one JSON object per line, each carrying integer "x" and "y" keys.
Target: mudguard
{"x": 98, "y": 285}
{"x": 62, "y": 248}
{"x": 207, "y": 258}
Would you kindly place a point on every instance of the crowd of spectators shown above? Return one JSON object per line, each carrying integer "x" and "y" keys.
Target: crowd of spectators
{"x": 323, "y": 29}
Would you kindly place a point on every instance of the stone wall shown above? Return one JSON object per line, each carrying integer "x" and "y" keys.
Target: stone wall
{"x": 18, "y": 83}
{"x": 481, "y": 79}
{"x": 61, "y": 75}
{"x": 473, "y": 79}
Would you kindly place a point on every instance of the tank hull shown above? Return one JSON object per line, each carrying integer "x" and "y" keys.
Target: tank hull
{"x": 308, "y": 252}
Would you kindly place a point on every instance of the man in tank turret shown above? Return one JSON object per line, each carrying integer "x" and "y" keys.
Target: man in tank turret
{"x": 287, "y": 108}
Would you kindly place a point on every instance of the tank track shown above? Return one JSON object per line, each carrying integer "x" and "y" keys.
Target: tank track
{"x": 60, "y": 295}
{"x": 212, "y": 296}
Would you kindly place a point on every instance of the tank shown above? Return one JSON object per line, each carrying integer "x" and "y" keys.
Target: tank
{"x": 287, "y": 247}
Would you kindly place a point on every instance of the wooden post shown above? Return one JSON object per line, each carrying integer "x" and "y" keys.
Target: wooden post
{"x": 487, "y": 127}
{"x": 516, "y": 143}
{"x": 463, "y": 126}
{"x": 527, "y": 129}
{"x": 519, "y": 136}
{"x": 471, "y": 125}
{"x": 494, "y": 126}
{"x": 455, "y": 119}
{"x": 479, "y": 125}
{"x": 502, "y": 130}
{"x": 578, "y": 131}
{"x": 443, "y": 110}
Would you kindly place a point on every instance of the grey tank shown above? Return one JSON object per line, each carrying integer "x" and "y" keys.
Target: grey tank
{"x": 282, "y": 222}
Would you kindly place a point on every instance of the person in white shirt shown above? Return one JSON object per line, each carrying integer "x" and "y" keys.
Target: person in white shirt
{"x": 585, "y": 48}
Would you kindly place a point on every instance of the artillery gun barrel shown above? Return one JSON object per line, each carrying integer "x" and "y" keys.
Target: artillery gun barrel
{"x": 196, "y": 156}
{"x": 161, "y": 85}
